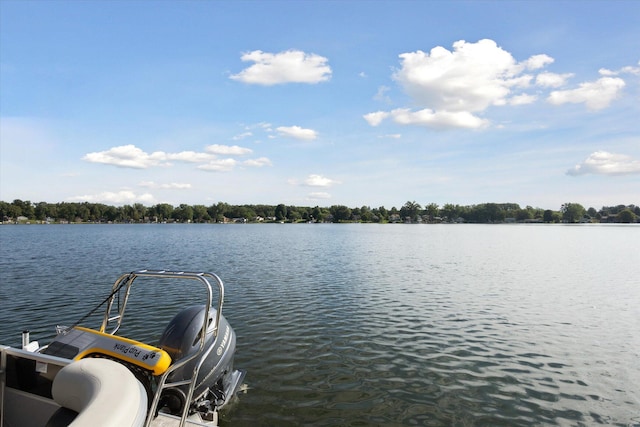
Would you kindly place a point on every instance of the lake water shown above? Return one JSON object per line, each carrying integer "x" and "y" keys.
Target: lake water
{"x": 364, "y": 325}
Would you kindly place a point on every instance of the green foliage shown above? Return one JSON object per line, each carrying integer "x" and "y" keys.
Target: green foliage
{"x": 281, "y": 212}
{"x": 340, "y": 213}
{"x": 626, "y": 216}
{"x": 411, "y": 211}
{"x": 572, "y": 212}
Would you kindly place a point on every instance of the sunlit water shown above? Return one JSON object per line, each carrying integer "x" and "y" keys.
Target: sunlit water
{"x": 358, "y": 325}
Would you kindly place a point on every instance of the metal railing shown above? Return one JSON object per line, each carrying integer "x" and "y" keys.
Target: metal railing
{"x": 126, "y": 281}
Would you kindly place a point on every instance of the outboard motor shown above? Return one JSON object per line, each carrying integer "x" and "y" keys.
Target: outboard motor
{"x": 216, "y": 382}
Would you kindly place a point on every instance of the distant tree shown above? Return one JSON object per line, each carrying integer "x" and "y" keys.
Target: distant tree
{"x": 523, "y": 215}
{"x": 340, "y": 213}
{"x": 9, "y": 211}
{"x": 24, "y": 208}
{"x": 547, "y": 216}
{"x": 110, "y": 214}
{"x": 294, "y": 215}
{"x": 40, "y": 211}
{"x": 265, "y": 211}
{"x": 626, "y": 216}
{"x": 382, "y": 213}
{"x": 281, "y": 212}
{"x": 83, "y": 212}
{"x": 572, "y": 212}
{"x": 183, "y": 213}
{"x": 410, "y": 210}
{"x": 432, "y": 210}
{"x": 365, "y": 214}
{"x": 217, "y": 211}
{"x": 200, "y": 213}
{"x": 450, "y": 211}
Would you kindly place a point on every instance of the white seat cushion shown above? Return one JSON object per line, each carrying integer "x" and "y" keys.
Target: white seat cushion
{"x": 103, "y": 392}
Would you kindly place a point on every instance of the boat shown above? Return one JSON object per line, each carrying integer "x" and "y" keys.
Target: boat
{"x": 96, "y": 377}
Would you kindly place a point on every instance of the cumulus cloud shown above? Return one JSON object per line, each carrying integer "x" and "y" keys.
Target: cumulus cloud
{"x": 243, "y": 135}
{"x": 227, "y": 150}
{"x": 374, "y": 119}
{"x": 189, "y": 156}
{"x": 297, "y": 132}
{"x": 291, "y": 66}
{"x": 595, "y": 95}
{"x": 259, "y": 162}
{"x": 169, "y": 186}
{"x": 470, "y": 78}
{"x": 523, "y": 99}
{"x": 120, "y": 197}
{"x": 453, "y": 88}
{"x": 537, "y": 61}
{"x": 553, "y": 80}
{"x": 438, "y": 119}
{"x": 130, "y": 156}
{"x": 319, "y": 181}
{"x": 629, "y": 69}
{"x": 219, "y": 165}
{"x": 605, "y": 163}
{"x": 127, "y": 156}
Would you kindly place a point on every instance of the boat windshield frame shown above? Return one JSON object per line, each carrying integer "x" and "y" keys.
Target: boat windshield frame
{"x": 126, "y": 281}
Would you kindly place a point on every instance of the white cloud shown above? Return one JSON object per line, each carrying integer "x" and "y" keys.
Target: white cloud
{"x": 291, "y": 66}
{"x": 127, "y": 156}
{"x": 169, "y": 186}
{"x": 190, "y": 157}
{"x": 523, "y": 99}
{"x": 595, "y": 95}
{"x": 374, "y": 119}
{"x": 538, "y": 61}
{"x": 629, "y": 69}
{"x": 450, "y": 88}
{"x": 604, "y": 163}
{"x": 381, "y": 94}
{"x": 607, "y": 72}
{"x": 470, "y": 78}
{"x": 262, "y": 125}
{"x": 438, "y": 119}
{"x": 131, "y": 156}
{"x": 227, "y": 150}
{"x": 262, "y": 161}
{"x": 319, "y": 181}
{"x": 120, "y": 197}
{"x": 297, "y": 132}
{"x": 554, "y": 80}
{"x": 219, "y": 165}
{"x": 242, "y": 136}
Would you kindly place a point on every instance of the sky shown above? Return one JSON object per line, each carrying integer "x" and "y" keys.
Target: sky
{"x": 320, "y": 103}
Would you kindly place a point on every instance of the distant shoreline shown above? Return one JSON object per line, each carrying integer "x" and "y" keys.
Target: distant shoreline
{"x": 22, "y": 212}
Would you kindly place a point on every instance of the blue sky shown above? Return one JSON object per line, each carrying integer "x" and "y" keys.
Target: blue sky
{"x": 320, "y": 102}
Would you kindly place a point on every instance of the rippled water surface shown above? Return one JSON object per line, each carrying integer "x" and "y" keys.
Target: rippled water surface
{"x": 358, "y": 325}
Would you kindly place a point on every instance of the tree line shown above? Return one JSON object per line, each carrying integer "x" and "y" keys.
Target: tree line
{"x": 410, "y": 212}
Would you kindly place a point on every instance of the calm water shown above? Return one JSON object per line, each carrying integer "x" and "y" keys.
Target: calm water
{"x": 359, "y": 325}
